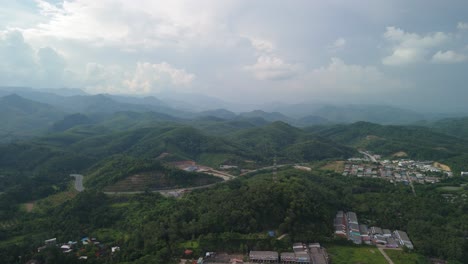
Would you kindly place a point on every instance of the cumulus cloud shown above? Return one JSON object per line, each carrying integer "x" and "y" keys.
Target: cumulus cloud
{"x": 21, "y": 64}
{"x": 462, "y": 25}
{"x": 338, "y": 44}
{"x": 350, "y": 78}
{"x": 156, "y": 77}
{"x": 132, "y": 24}
{"x": 448, "y": 56}
{"x": 145, "y": 78}
{"x": 272, "y": 68}
{"x": 269, "y": 65}
{"x": 410, "y": 48}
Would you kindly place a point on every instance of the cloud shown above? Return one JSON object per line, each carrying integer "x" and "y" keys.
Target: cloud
{"x": 462, "y": 25}
{"x": 261, "y": 45}
{"x": 408, "y": 48}
{"x": 156, "y": 77}
{"x": 25, "y": 66}
{"x": 339, "y": 44}
{"x": 343, "y": 79}
{"x": 448, "y": 56}
{"x": 133, "y": 24}
{"x": 269, "y": 65}
{"x": 145, "y": 78}
{"x": 272, "y": 68}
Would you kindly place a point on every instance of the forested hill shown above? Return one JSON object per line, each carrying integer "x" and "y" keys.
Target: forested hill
{"x": 417, "y": 142}
{"x": 457, "y": 127}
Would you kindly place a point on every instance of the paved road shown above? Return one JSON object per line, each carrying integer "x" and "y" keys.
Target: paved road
{"x": 369, "y": 156}
{"x": 389, "y": 260}
{"x": 410, "y": 183}
{"x": 78, "y": 182}
{"x": 171, "y": 192}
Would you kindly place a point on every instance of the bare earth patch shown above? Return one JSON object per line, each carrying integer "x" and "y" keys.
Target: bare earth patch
{"x": 400, "y": 154}
{"x": 442, "y": 166}
{"x": 29, "y": 207}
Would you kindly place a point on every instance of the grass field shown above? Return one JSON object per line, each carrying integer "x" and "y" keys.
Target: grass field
{"x": 400, "y": 257}
{"x": 355, "y": 255}
{"x": 336, "y": 166}
{"x": 450, "y": 188}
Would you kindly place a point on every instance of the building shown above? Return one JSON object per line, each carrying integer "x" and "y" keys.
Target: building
{"x": 364, "y": 234}
{"x": 288, "y": 258}
{"x": 387, "y": 233}
{"x": 391, "y": 243}
{"x": 340, "y": 224}
{"x": 318, "y": 255}
{"x": 376, "y": 231}
{"x": 264, "y": 256}
{"x": 403, "y": 239}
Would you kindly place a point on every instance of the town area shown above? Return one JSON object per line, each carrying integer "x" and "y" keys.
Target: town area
{"x": 398, "y": 170}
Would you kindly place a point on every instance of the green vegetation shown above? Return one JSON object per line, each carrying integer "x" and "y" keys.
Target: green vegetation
{"x": 113, "y": 153}
{"x": 402, "y": 257}
{"x": 356, "y": 255}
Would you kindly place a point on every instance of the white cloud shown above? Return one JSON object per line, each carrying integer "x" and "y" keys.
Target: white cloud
{"x": 410, "y": 48}
{"x": 261, "y": 45}
{"x": 133, "y": 24}
{"x": 448, "y": 56}
{"x": 156, "y": 77}
{"x": 338, "y": 44}
{"x": 272, "y": 68}
{"x": 349, "y": 78}
{"x": 462, "y": 25}
{"x": 23, "y": 65}
{"x": 145, "y": 78}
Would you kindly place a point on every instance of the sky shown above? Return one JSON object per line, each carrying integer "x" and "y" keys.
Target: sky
{"x": 405, "y": 53}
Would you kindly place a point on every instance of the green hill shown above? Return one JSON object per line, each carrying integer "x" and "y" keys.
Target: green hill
{"x": 23, "y": 118}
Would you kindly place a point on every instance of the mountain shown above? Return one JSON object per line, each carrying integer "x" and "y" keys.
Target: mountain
{"x": 311, "y": 120}
{"x": 380, "y": 114}
{"x": 220, "y": 113}
{"x": 457, "y": 127}
{"x": 70, "y": 121}
{"x": 22, "y": 118}
{"x": 271, "y": 117}
{"x": 417, "y": 142}
{"x": 289, "y": 143}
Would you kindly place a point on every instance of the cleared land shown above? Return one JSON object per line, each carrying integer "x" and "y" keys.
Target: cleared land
{"x": 400, "y": 154}
{"x": 401, "y": 257}
{"x": 442, "y": 166}
{"x": 356, "y": 255}
{"x": 337, "y": 166}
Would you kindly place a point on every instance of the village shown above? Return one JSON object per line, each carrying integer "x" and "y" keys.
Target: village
{"x": 399, "y": 170}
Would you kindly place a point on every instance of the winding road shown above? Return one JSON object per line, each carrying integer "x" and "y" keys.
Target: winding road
{"x": 225, "y": 176}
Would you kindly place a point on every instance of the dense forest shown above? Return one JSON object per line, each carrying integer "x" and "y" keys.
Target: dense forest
{"x": 234, "y": 216}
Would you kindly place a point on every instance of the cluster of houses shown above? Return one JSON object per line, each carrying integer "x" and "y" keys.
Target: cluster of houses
{"x": 395, "y": 170}
{"x": 79, "y": 247}
{"x": 347, "y": 226}
{"x": 305, "y": 254}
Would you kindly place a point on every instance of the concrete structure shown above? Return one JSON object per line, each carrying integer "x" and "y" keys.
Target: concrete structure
{"x": 340, "y": 224}
{"x": 264, "y": 256}
{"x": 376, "y": 231}
{"x": 403, "y": 239}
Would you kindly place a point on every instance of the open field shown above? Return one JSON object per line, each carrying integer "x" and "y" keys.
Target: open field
{"x": 450, "y": 188}
{"x": 355, "y": 255}
{"x": 337, "y": 166}
{"x": 401, "y": 257}
{"x": 400, "y": 154}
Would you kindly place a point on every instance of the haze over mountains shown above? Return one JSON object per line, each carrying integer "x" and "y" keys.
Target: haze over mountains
{"x": 41, "y": 108}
